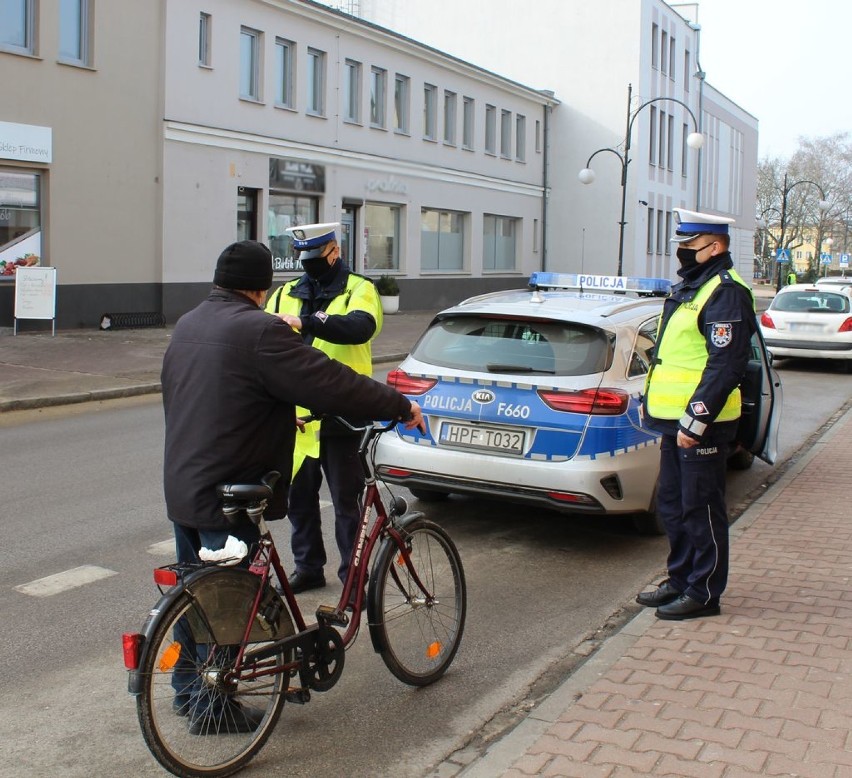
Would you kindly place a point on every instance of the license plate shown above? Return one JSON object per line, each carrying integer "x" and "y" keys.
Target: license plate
{"x": 484, "y": 438}
{"x": 798, "y": 326}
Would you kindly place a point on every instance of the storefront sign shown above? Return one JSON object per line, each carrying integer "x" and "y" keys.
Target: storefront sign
{"x": 26, "y": 142}
{"x": 293, "y": 176}
{"x": 391, "y": 184}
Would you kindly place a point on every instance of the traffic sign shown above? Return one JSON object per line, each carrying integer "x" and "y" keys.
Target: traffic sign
{"x": 844, "y": 260}
{"x": 783, "y": 255}
{"x": 826, "y": 258}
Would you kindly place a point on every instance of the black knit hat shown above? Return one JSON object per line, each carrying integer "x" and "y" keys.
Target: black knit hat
{"x": 244, "y": 265}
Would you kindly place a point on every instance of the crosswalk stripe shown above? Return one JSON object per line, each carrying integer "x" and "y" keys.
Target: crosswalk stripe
{"x": 61, "y": 582}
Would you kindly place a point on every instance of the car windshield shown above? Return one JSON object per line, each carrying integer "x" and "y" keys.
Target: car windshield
{"x": 811, "y": 301}
{"x": 511, "y": 345}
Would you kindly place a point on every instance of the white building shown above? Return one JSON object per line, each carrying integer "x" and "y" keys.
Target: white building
{"x": 589, "y": 52}
{"x": 162, "y": 131}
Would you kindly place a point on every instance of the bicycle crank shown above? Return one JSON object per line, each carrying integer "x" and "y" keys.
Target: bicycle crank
{"x": 325, "y": 665}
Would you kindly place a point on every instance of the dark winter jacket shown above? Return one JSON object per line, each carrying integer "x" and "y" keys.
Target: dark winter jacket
{"x": 232, "y": 376}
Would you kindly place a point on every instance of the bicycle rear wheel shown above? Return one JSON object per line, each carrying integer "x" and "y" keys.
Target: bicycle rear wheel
{"x": 200, "y": 715}
{"x": 417, "y": 634}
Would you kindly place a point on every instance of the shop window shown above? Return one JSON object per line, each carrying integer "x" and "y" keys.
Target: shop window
{"x": 20, "y": 221}
{"x": 288, "y": 210}
{"x": 441, "y": 240}
{"x": 382, "y": 228}
{"x": 499, "y": 245}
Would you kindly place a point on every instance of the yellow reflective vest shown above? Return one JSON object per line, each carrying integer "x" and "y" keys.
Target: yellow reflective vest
{"x": 680, "y": 360}
{"x": 360, "y": 295}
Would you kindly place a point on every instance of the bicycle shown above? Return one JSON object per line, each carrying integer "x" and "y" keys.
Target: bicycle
{"x": 212, "y": 666}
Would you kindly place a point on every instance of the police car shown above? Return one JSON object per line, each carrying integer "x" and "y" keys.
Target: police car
{"x": 534, "y": 396}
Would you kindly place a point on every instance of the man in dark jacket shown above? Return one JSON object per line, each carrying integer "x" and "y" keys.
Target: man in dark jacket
{"x": 692, "y": 397}
{"x": 232, "y": 376}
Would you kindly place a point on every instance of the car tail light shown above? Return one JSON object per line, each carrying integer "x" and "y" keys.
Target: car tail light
{"x": 131, "y": 642}
{"x": 846, "y": 326}
{"x": 598, "y": 402}
{"x": 408, "y": 384}
{"x": 165, "y": 577}
{"x": 766, "y": 320}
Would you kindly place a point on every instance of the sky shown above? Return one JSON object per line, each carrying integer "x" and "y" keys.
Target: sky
{"x": 787, "y": 62}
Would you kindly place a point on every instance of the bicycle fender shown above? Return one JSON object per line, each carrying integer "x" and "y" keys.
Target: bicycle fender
{"x": 134, "y": 680}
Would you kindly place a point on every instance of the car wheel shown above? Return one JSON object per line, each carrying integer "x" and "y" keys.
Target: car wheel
{"x": 647, "y": 522}
{"x": 429, "y": 495}
{"x": 740, "y": 460}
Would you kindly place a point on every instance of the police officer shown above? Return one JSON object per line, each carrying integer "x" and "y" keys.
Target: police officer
{"x": 791, "y": 278}
{"x": 692, "y": 397}
{"x": 339, "y": 313}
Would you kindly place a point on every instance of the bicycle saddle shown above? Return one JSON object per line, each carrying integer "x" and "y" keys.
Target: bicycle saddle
{"x": 250, "y": 492}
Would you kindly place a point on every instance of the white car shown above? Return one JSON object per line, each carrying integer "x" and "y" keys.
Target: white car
{"x": 813, "y": 321}
{"x": 833, "y": 281}
{"x": 534, "y": 396}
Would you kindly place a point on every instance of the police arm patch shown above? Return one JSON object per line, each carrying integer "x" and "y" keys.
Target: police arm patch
{"x": 721, "y": 334}
{"x": 698, "y": 408}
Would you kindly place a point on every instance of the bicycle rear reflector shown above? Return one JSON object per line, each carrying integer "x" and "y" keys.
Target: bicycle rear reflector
{"x": 170, "y": 657}
{"x": 434, "y": 649}
{"x": 131, "y": 642}
{"x": 165, "y": 577}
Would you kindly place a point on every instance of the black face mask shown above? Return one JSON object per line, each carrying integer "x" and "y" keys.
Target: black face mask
{"x": 316, "y": 267}
{"x": 687, "y": 256}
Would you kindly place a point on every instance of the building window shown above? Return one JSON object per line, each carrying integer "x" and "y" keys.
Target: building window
{"x": 649, "y": 244}
{"x": 20, "y": 218}
{"x": 505, "y": 134}
{"x": 74, "y": 31}
{"x": 660, "y": 234}
{"x": 661, "y": 159}
{"x": 352, "y": 91}
{"x": 535, "y": 236}
{"x": 499, "y": 246}
{"x": 664, "y": 53}
{"x": 288, "y": 210}
{"x": 249, "y": 64}
{"x": 378, "y": 96}
{"x": 672, "y": 51}
{"x": 441, "y": 240}
{"x": 205, "y": 30}
{"x": 652, "y": 146}
{"x": 382, "y": 228}
{"x": 670, "y": 142}
{"x": 683, "y": 151}
{"x": 450, "y": 118}
{"x": 655, "y": 50}
{"x": 430, "y": 111}
{"x": 316, "y": 82}
{"x": 686, "y": 73}
{"x": 667, "y": 237}
{"x": 538, "y": 136}
{"x": 521, "y": 138}
{"x": 284, "y": 52}
{"x": 468, "y": 123}
{"x": 16, "y": 26}
{"x": 490, "y": 129}
{"x": 401, "y": 103}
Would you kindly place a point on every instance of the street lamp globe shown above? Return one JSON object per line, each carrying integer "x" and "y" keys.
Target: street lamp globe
{"x": 823, "y": 205}
{"x": 829, "y": 242}
{"x": 586, "y": 175}
{"x": 695, "y": 140}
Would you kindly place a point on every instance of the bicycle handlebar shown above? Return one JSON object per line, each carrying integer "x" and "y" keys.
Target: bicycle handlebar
{"x": 377, "y": 428}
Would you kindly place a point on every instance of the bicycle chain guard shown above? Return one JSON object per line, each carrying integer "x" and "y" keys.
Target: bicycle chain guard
{"x": 325, "y": 665}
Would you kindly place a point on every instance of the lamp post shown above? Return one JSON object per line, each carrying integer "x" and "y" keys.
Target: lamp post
{"x": 822, "y": 205}
{"x": 695, "y": 140}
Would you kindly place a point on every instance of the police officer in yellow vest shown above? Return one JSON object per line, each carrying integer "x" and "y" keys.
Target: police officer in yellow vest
{"x": 692, "y": 397}
{"x": 339, "y": 313}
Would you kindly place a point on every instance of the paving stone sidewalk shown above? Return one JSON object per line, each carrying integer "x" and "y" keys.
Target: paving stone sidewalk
{"x": 762, "y": 690}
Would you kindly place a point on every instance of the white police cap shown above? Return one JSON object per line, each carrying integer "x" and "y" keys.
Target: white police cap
{"x": 690, "y": 224}
{"x": 312, "y": 236}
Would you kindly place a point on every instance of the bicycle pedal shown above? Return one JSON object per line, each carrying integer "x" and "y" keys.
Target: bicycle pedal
{"x": 329, "y": 614}
{"x": 298, "y": 694}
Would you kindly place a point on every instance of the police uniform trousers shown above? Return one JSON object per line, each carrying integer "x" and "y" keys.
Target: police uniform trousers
{"x": 691, "y": 505}
{"x": 339, "y": 462}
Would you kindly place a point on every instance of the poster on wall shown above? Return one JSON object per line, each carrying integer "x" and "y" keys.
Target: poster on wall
{"x": 24, "y": 251}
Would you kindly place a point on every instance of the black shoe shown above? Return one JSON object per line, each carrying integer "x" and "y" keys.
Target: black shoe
{"x": 662, "y": 595}
{"x": 181, "y": 704}
{"x": 233, "y": 719}
{"x": 684, "y": 607}
{"x": 303, "y": 582}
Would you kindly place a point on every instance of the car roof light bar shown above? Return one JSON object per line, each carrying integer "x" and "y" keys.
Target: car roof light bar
{"x": 618, "y": 284}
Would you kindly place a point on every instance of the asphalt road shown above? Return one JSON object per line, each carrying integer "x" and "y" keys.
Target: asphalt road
{"x": 82, "y": 492}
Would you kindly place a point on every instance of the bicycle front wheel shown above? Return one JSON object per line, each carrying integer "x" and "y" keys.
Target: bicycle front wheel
{"x": 201, "y": 715}
{"x": 417, "y": 630}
